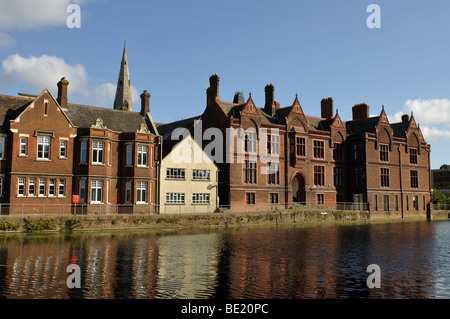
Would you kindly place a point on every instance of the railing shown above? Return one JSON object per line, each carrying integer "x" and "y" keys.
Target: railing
{"x": 113, "y": 209}
{"x": 441, "y": 206}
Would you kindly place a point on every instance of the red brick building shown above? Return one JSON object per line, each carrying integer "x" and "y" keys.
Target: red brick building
{"x": 51, "y": 149}
{"x": 365, "y": 163}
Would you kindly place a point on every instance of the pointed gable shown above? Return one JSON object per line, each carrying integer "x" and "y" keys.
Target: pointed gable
{"x": 249, "y": 108}
{"x": 383, "y": 131}
{"x": 296, "y": 119}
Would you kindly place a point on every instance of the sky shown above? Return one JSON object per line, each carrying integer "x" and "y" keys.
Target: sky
{"x": 313, "y": 48}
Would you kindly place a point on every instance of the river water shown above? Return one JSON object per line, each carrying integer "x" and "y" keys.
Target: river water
{"x": 304, "y": 262}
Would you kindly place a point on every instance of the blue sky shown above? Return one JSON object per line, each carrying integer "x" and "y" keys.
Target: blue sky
{"x": 317, "y": 49}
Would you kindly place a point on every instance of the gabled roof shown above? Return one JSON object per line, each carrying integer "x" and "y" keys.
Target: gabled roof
{"x": 116, "y": 120}
{"x": 11, "y": 107}
{"x": 165, "y": 130}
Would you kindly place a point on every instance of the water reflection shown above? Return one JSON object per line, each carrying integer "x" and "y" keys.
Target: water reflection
{"x": 284, "y": 262}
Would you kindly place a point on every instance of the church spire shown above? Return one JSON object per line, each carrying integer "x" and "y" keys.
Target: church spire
{"x": 124, "y": 99}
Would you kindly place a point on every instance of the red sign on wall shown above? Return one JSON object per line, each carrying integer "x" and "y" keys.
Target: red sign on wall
{"x": 75, "y": 199}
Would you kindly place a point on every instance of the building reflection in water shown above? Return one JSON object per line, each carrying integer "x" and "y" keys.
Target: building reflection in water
{"x": 283, "y": 262}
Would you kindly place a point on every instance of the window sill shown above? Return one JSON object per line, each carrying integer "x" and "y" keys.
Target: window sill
{"x": 97, "y": 164}
{"x": 175, "y": 179}
{"x": 43, "y": 160}
{"x": 201, "y": 180}
{"x": 23, "y": 155}
{"x": 63, "y": 158}
{"x": 142, "y": 166}
{"x": 202, "y": 204}
{"x": 175, "y": 204}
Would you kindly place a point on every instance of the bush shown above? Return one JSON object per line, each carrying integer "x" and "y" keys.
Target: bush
{"x": 32, "y": 226}
{"x": 71, "y": 224}
{"x": 8, "y": 226}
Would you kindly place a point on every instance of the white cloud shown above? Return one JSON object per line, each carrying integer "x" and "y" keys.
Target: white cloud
{"x": 46, "y": 71}
{"x": 31, "y": 14}
{"x": 433, "y": 116}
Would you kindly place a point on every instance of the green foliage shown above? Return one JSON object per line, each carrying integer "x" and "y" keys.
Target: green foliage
{"x": 71, "y": 224}
{"x": 30, "y": 226}
{"x": 8, "y": 226}
{"x": 441, "y": 197}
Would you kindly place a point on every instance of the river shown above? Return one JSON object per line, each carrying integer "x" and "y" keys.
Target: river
{"x": 283, "y": 262}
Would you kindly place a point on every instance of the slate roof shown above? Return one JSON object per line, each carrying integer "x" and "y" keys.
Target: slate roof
{"x": 165, "y": 130}
{"x": 116, "y": 120}
{"x": 11, "y": 107}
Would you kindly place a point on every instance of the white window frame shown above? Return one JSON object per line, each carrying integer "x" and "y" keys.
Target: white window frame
{"x": 142, "y": 156}
{"x": 2, "y": 147}
{"x": 43, "y": 184}
{"x": 44, "y": 142}
{"x": 96, "y": 191}
{"x": 62, "y": 186}
{"x": 175, "y": 198}
{"x": 52, "y": 187}
{"x": 62, "y": 148}
{"x": 141, "y": 192}
{"x": 82, "y": 190}
{"x": 98, "y": 152}
{"x": 32, "y": 187}
{"x": 1, "y": 186}
{"x": 201, "y": 198}
{"x": 21, "y": 186}
{"x": 128, "y": 192}
{"x": 201, "y": 174}
{"x": 23, "y": 148}
{"x": 175, "y": 173}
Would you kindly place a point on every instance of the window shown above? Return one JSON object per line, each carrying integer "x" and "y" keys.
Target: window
{"x": 200, "y": 198}
{"x": 31, "y": 187}
{"x": 82, "y": 190}
{"x": 386, "y": 202}
{"x": 338, "y": 174}
{"x": 250, "y": 198}
{"x": 273, "y": 144}
{"x": 45, "y": 107}
{"x": 414, "y": 179}
{"x": 356, "y": 152}
{"x": 376, "y": 202}
{"x": 250, "y": 141}
{"x": 413, "y": 156}
{"x": 424, "y": 203}
{"x": 23, "y": 146}
{"x": 62, "y": 188}
{"x": 43, "y": 147}
{"x": 96, "y": 191}
{"x": 175, "y": 198}
{"x": 97, "y": 152}
{"x": 407, "y": 202}
{"x": 274, "y": 198}
{"x": 1, "y": 186}
{"x": 129, "y": 155}
{"x": 175, "y": 173}
{"x": 320, "y": 199}
{"x": 63, "y": 149}
{"x": 107, "y": 192}
{"x": 319, "y": 149}
{"x": 128, "y": 192}
{"x": 249, "y": 172}
{"x": 384, "y": 152}
{"x": 416, "y": 203}
{"x": 21, "y": 187}
{"x": 273, "y": 174}
{"x": 319, "y": 175}
{"x": 142, "y": 159}
{"x": 83, "y": 152}
{"x": 109, "y": 153}
{"x": 337, "y": 152}
{"x": 141, "y": 192}
{"x": 201, "y": 174}
{"x": 2, "y": 147}
{"x": 301, "y": 146}
{"x": 42, "y": 186}
{"x": 384, "y": 177}
{"x": 357, "y": 176}
{"x": 396, "y": 202}
{"x": 52, "y": 187}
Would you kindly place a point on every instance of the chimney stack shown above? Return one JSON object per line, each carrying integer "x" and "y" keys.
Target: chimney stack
{"x": 270, "y": 107}
{"x": 326, "y": 107}
{"x": 405, "y": 118}
{"x": 62, "y": 92}
{"x": 360, "y": 112}
{"x": 239, "y": 98}
{"x": 213, "y": 91}
{"x": 145, "y": 103}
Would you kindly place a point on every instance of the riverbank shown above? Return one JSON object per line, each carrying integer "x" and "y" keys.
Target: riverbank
{"x": 32, "y": 224}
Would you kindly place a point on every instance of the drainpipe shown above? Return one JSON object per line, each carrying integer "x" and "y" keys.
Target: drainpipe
{"x": 401, "y": 180}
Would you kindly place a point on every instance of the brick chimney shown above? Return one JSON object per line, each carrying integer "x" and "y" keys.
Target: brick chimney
{"x": 405, "y": 118}
{"x": 145, "y": 103}
{"x": 213, "y": 91}
{"x": 270, "y": 107}
{"x": 62, "y": 93}
{"x": 360, "y": 111}
{"x": 239, "y": 98}
{"x": 326, "y": 108}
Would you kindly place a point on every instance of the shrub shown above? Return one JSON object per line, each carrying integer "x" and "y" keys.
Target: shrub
{"x": 8, "y": 226}
{"x": 71, "y": 224}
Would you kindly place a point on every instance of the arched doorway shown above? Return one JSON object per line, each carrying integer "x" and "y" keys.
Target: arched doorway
{"x": 298, "y": 188}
